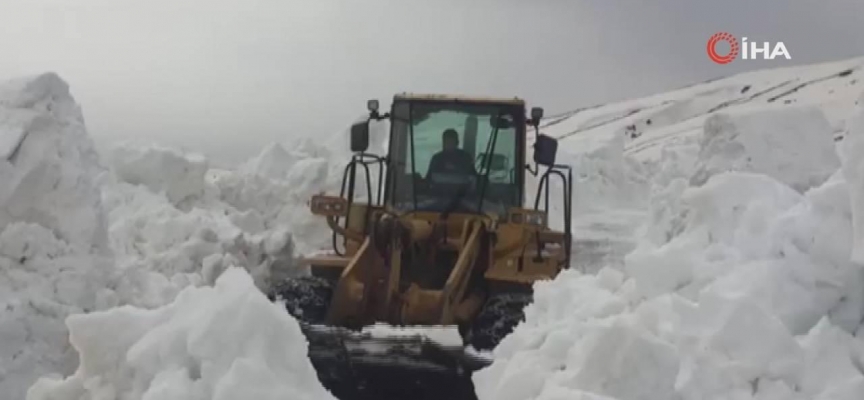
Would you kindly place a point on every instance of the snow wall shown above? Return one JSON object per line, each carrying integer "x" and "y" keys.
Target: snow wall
{"x": 742, "y": 286}
{"x": 150, "y": 232}
{"x": 735, "y": 289}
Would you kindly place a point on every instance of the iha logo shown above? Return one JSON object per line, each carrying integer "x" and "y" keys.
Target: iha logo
{"x": 748, "y": 50}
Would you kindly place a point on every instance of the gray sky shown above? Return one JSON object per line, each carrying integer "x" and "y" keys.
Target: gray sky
{"x": 227, "y": 77}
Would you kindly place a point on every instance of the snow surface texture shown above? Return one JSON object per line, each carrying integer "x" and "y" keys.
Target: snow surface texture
{"x": 76, "y": 236}
{"x": 750, "y": 247}
{"x": 792, "y": 144}
{"x": 54, "y": 249}
{"x": 224, "y": 342}
{"x": 177, "y": 175}
{"x": 661, "y": 137}
{"x": 742, "y": 283}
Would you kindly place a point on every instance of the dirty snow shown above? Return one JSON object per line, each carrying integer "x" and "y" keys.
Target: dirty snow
{"x": 443, "y": 335}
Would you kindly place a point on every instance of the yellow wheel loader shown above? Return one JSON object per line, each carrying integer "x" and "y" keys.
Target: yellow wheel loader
{"x": 446, "y": 239}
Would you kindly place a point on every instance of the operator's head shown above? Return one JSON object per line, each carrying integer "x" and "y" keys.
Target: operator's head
{"x": 450, "y": 139}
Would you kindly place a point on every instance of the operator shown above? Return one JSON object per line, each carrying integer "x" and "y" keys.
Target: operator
{"x": 451, "y": 160}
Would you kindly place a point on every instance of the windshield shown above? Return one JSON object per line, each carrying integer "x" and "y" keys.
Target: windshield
{"x": 451, "y": 157}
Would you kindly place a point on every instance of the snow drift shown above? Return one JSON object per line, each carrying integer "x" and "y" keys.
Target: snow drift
{"x": 223, "y": 342}
{"x": 178, "y": 176}
{"x": 793, "y": 144}
{"x": 54, "y": 249}
{"x": 742, "y": 286}
{"x": 77, "y": 237}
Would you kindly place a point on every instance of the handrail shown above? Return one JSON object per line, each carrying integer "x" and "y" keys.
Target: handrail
{"x": 349, "y": 177}
{"x": 568, "y": 198}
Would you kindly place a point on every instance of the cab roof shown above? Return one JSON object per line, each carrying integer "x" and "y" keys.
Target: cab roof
{"x": 457, "y": 98}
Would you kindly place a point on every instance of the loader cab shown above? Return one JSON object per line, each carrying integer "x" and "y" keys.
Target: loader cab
{"x": 490, "y": 138}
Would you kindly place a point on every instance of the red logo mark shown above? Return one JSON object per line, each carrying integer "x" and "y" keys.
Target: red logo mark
{"x": 712, "y": 48}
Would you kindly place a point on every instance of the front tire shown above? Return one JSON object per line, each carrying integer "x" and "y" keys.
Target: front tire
{"x": 497, "y": 319}
{"x": 307, "y": 298}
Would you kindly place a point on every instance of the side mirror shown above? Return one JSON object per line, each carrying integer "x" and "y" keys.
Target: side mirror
{"x": 372, "y": 106}
{"x": 360, "y": 137}
{"x": 545, "y": 150}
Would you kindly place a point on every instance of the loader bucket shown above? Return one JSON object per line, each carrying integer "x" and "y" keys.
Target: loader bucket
{"x": 355, "y": 365}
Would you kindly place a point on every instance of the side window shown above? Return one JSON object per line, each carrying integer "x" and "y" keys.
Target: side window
{"x": 401, "y": 188}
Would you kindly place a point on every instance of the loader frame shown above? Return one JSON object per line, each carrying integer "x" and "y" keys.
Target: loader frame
{"x": 380, "y": 244}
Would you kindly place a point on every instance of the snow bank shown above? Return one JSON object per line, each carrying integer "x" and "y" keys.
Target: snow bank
{"x": 741, "y": 288}
{"x": 277, "y": 184}
{"x": 76, "y": 237}
{"x": 223, "y": 342}
{"x": 179, "y": 176}
{"x": 54, "y": 250}
{"x": 792, "y": 144}
{"x": 160, "y": 249}
{"x": 49, "y": 173}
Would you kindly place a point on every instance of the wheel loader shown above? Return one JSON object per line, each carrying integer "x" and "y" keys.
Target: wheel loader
{"x": 440, "y": 232}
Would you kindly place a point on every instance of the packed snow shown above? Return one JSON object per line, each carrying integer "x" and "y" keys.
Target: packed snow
{"x": 718, "y": 253}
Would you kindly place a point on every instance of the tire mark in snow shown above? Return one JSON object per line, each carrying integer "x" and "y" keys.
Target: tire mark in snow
{"x": 840, "y": 74}
{"x": 613, "y": 119}
{"x": 654, "y": 141}
{"x": 559, "y": 118}
{"x": 744, "y": 100}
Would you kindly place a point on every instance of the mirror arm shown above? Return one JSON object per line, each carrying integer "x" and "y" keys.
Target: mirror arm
{"x": 378, "y": 117}
{"x": 536, "y": 169}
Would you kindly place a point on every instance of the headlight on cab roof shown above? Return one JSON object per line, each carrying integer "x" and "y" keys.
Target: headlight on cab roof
{"x": 527, "y": 217}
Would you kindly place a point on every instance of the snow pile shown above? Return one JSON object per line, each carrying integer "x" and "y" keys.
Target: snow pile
{"x": 54, "y": 251}
{"x": 174, "y": 352}
{"x": 160, "y": 249}
{"x": 179, "y": 176}
{"x": 742, "y": 288}
{"x": 76, "y": 237}
{"x": 276, "y": 185}
{"x": 793, "y": 144}
{"x": 49, "y": 172}
{"x": 284, "y": 202}
{"x": 602, "y": 177}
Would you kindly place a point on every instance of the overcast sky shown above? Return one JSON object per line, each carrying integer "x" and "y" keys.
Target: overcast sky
{"x": 227, "y": 77}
